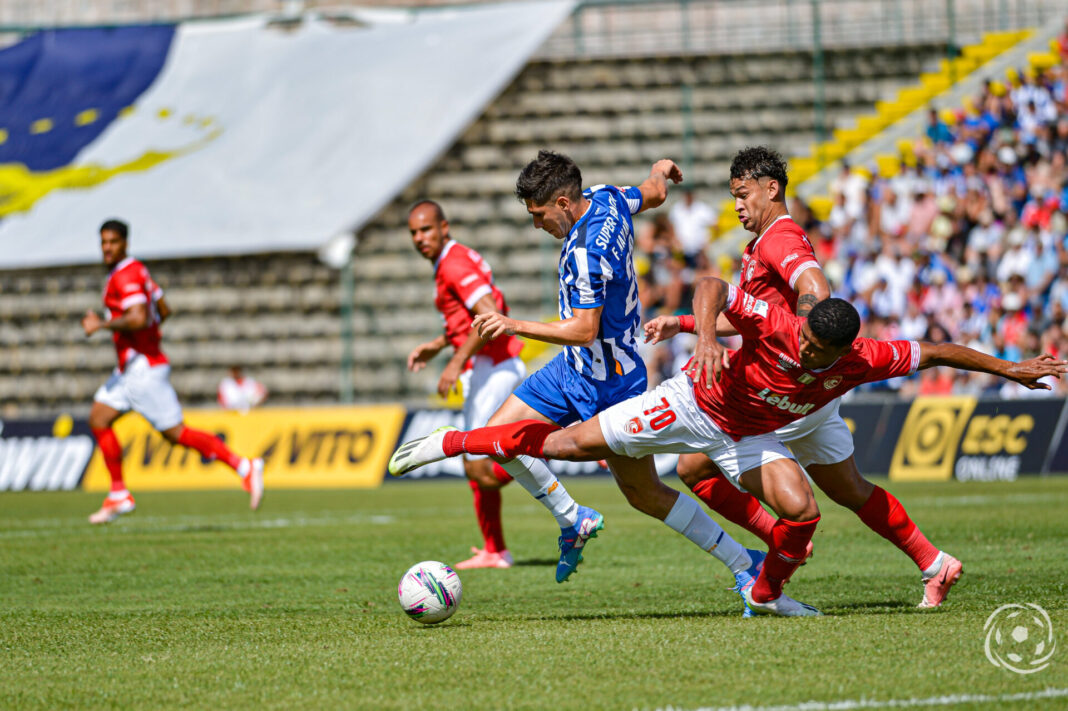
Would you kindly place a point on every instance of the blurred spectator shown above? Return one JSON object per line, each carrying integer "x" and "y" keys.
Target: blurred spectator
{"x": 693, "y": 222}
{"x": 968, "y": 241}
{"x": 240, "y": 392}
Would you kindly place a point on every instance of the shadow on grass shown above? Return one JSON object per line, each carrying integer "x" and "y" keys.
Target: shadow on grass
{"x": 883, "y": 607}
{"x": 536, "y": 562}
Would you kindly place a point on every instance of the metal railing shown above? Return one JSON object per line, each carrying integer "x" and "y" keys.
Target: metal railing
{"x": 636, "y": 27}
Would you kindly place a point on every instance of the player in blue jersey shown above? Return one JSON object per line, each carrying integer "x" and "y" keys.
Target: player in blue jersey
{"x": 600, "y": 317}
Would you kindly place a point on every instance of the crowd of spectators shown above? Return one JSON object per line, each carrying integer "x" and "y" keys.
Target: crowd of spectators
{"x": 967, "y": 242}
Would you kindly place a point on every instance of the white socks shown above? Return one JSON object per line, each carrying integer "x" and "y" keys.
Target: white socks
{"x": 118, "y": 495}
{"x": 935, "y": 567}
{"x": 534, "y": 476}
{"x": 687, "y": 518}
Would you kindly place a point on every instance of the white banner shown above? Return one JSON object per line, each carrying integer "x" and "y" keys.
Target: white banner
{"x": 256, "y": 139}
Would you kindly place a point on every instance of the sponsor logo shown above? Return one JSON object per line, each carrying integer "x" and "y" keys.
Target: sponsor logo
{"x": 1019, "y": 638}
{"x": 806, "y": 378}
{"x": 832, "y": 382}
{"x": 753, "y": 305}
{"x": 787, "y": 363}
{"x": 893, "y": 352}
{"x": 553, "y": 487}
{"x": 330, "y": 447}
{"x": 943, "y": 437}
{"x": 783, "y": 402}
{"x": 634, "y": 426}
{"x": 498, "y": 449}
{"x": 927, "y": 446}
{"x": 749, "y": 271}
{"x": 789, "y": 259}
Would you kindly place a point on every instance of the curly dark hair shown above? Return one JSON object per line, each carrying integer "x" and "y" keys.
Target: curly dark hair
{"x": 547, "y": 176}
{"x": 755, "y": 162}
{"x": 835, "y": 322}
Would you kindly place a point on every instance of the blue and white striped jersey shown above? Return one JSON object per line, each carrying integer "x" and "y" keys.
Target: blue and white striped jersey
{"x": 597, "y": 269}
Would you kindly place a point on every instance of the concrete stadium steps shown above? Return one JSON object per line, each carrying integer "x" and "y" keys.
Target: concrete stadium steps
{"x": 278, "y": 314}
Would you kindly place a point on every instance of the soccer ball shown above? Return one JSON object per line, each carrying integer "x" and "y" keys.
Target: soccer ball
{"x": 430, "y": 592}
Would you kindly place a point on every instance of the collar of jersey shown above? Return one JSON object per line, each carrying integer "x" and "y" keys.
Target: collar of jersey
{"x": 574, "y": 228}
{"x": 120, "y": 265}
{"x": 444, "y": 251}
{"x": 768, "y": 229}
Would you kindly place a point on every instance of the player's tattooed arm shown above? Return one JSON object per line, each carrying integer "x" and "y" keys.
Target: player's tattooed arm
{"x": 1026, "y": 373}
{"x": 805, "y": 302}
{"x": 812, "y": 287}
{"x": 133, "y": 319}
{"x": 654, "y": 189}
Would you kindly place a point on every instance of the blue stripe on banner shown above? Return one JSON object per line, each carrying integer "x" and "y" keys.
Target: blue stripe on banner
{"x": 60, "y": 89}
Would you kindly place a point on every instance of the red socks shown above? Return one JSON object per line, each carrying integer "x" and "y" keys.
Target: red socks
{"x": 505, "y": 441}
{"x": 789, "y": 541}
{"x": 488, "y": 513}
{"x": 209, "y": 446}
{"x": 502, "y": 476}
{"x": 111, "y": 450}
{"x": 885, "y": 515}
{"x": 736, "y": 506}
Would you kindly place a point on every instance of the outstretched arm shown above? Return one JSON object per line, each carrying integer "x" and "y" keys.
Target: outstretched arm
{"x": 579, "y": 330}
{"x": 1026, "y": 373}
{"x": 654, "y": 189}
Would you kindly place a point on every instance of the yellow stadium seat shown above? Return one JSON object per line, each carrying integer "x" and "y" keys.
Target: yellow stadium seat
{"x": 889, "y": 164}
{"x": 821, "y": 206}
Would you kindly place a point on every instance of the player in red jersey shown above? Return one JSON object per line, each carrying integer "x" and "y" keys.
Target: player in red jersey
{"x": 488, "y": 371}
{"x": 727, "y": 405}
{"x": 779, "y": 266}
{"x": 141, "y": 382}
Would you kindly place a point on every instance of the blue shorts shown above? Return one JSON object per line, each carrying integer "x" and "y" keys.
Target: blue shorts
{"x": 565, "y": 396}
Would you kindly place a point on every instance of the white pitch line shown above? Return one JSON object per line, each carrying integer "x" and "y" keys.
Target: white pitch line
{"x": 850, "y": 704}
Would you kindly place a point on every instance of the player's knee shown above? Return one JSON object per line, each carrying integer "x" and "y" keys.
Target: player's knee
{"x": 692, "y": 469}
{"x": 800, "y": 508}
{"x": 565, "y": 446}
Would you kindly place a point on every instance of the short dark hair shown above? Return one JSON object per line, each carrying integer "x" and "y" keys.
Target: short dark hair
{"x": 437, "y": 208}
{"x": 117, "y": 226}
{"x": 547, "y": 176}
{"x": 755, "y": 162}
{"x": 835, "y": 322}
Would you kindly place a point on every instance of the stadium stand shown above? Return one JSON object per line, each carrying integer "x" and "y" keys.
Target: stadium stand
{"x": 278, "y": 315}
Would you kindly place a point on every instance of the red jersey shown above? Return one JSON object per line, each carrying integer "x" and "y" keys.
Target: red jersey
{"x": 766, "y": 387}
{"x": 129, "y": 283}
{"x": 772, "y": 262}
{"x": 462, "y": 278}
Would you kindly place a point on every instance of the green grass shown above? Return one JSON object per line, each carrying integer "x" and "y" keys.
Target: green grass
{"x": 195, "y": 602}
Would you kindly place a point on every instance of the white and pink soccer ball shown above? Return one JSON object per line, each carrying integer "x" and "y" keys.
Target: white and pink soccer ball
{"x": 430, "y": 592}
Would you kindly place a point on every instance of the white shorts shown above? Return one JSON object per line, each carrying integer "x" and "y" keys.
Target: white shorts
{"x": 486, "y": 386}
{"x": 145, "y": 389}
{"x": 668, "y": 419}
{"x": 821, "y": 438}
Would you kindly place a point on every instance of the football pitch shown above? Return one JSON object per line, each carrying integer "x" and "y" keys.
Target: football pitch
{"x": 195, "y": 602}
